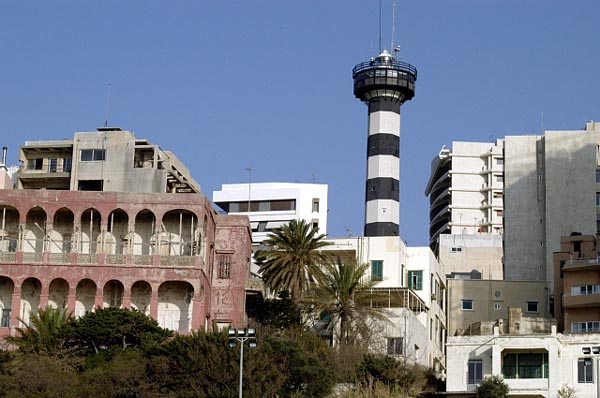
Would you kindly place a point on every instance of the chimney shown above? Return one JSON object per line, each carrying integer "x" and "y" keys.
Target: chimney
{"x": 4, "y": 149}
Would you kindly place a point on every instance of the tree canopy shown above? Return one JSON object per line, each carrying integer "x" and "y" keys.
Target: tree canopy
{"x": 292, "y": 258}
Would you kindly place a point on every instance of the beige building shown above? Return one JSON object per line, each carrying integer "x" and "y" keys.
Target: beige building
{"x": 551, "y": 190}
{"x": 127, "y": 164}
{"x": 577, "y": 284}
{"x": 533, "y": 359}
{"x": 472, "y": 301}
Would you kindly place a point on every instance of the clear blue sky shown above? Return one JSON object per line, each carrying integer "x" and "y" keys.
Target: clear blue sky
{"x": 267, "y": 84}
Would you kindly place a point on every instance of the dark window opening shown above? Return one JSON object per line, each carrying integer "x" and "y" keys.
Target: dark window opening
{"x": 90, "y": 185}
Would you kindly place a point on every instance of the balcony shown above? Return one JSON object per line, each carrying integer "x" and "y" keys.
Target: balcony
{"x": 581, "y": 300}
{"x": 581, "y": 265}
{"x": 118, "y": 260}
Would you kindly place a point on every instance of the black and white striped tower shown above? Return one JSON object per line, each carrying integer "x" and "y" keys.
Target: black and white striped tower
{"x": 384, "y": 84}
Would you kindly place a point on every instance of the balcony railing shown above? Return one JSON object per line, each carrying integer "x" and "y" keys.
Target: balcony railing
{"x": 100, "y": 259}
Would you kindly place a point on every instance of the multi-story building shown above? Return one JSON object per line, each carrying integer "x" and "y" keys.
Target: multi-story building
{"x": 413, "y": 285}
{"x": 270, "y": 205}
{"x": 465, "y": 192}
{"x": 577, "y": 284}
{"x": 109, "y": 159}
{"x": 533, "y": 359}
{"x": 145, "y": 238}
{"x": 472, "y": 300}
{"x": 550, "y": 190}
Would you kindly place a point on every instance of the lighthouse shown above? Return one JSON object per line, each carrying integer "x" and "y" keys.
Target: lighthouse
{"x": 384, "y": 84}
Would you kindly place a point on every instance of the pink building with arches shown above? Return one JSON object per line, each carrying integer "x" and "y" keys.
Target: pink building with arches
{"x": 79, "y": 234}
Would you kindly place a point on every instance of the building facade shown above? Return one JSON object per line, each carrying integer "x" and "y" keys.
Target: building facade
{"x": 414, "y": 288}
{"x": 167, "y": 254}
{"x": 533, "y": 359}
{"x": 478, "y": 300}
{"x": 551, "y": 190}
{"x": 270, "y": 205}
{"x": 465, "y": 190}
{"x": 577, "y": 284}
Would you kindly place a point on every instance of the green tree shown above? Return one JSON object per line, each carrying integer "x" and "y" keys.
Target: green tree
{"x": 492, "y": 387}
{"x": 346, "y": 294}
{"x": 45, "y": 334}
{"x": 378, "y": 373}
{"x": 39, "y": 376}
{"x": 109, "y": 328}
{"x": 293, "y": 258}
{"x": 280, "y": 313}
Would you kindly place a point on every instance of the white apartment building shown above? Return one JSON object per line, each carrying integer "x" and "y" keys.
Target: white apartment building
{"x": 270, "y": 205}
{"x": 415, "y": 286}
{"x": 551, "y": 190}
{"x": 466, "y": 190}
{"x": 533, "y": 364}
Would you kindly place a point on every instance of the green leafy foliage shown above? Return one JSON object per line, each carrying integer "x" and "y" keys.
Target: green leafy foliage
{"x": 108, "y": 328}
{"x": 346, "y": 295}
{"x": 291, "y": 261}
{"x": 492, "y": 387}
{"x": 396, "y": 375}
{"x": 46, "y": 333}
{"x": 279, "y": 313}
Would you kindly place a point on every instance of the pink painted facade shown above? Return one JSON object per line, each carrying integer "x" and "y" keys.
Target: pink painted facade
{"x": 168, "y": 255}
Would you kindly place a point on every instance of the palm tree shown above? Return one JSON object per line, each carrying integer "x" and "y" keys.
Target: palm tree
{"x": 292, "y": 259}
{"x": 346, "y": 294}
{"x": 45, "y": 334}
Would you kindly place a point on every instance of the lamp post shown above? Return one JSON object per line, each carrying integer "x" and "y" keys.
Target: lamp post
{"x": 594, "y": 352}
{"x": 242, "y": 335}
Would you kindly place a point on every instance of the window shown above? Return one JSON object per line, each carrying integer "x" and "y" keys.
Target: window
{"x": 500, "y": 178}
{"x": 415, "y": 280}
{"x": 377, "y": 270}
{"x": 525, "y": 366}
{"x": 466, "y": 305}
{"x": 52, "y": 165}
{"x": 585, "y": 370}
{"x": 394, "y": 346}
{"x": 5, "y": 320}
{"x": 67, "y": 165}
{"x": 582, "y": 327}
{"x": 92, "y": 155}
{"x": 455, "y": 249}
{"x": 499, "y": 161}
{"x": 475, "y": 372}
{"x": 597, "y": 175}
{"x": 597, "y": 198}
{"x": 585, "y": 289}
{"x": 532, "y": 306}
{"x": 90, "y": 185}
{"x": 315, "y": 205}
{"x": 497, "y": 306}
{"x": 35, "y": 164}
{"x": 224, "y": 266}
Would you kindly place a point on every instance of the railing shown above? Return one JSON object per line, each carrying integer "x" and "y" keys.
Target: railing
{"x": 115, "y": 259}
{"x": 98, "y": 259}
{"x": 8, "y": 257}
{"x": 583, "y": 262}
{"x": 60, "y": 258}
{"x": 32, "y": 257}
{"x": 402, "y": 66}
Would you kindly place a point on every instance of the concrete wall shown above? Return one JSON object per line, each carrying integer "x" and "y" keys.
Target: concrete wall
{"x": 491, "y": 301}
{"x": 464, "y": 253}
{"x": 563, "y": 353}
{"x": 303, "y": 194}
{"x": 524, "y": 208}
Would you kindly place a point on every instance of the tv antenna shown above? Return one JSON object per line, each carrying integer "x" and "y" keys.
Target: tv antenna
{"x": 107, "y": 105}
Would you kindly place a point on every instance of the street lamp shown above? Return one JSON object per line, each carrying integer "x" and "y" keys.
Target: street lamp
{"x": 242, "y": 335}
{"x": 594, "y": 352}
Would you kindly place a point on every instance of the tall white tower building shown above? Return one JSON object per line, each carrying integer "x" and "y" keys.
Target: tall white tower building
{"x": 384, "y": 84}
